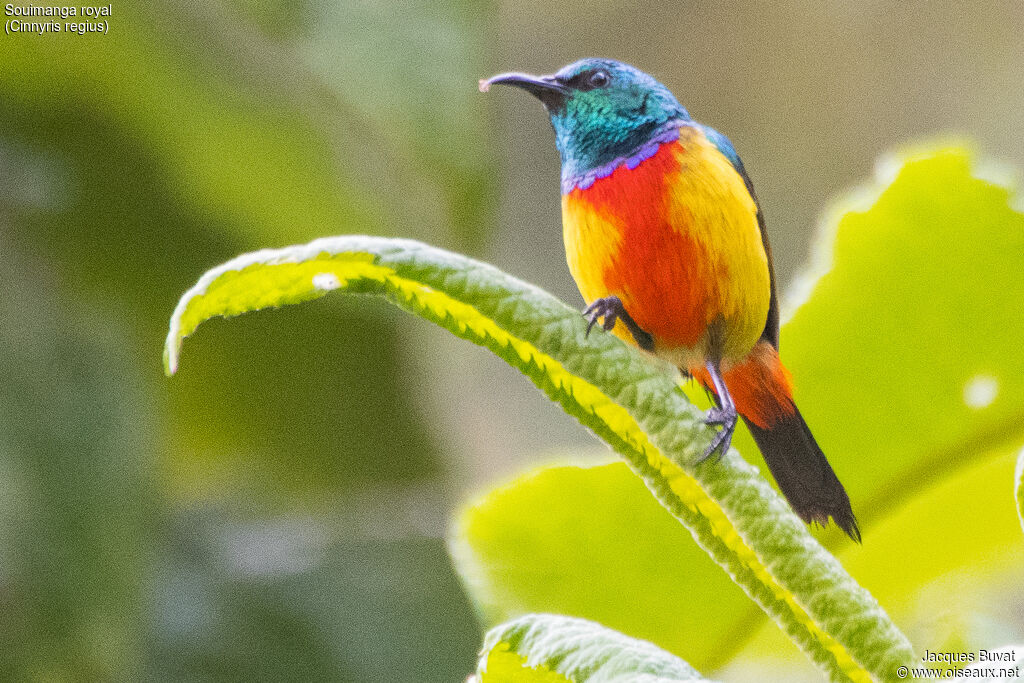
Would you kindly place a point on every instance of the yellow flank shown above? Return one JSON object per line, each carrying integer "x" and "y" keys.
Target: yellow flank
{"x": 722, "y": 215}
{"x": 592, "y": 240}
{"x": 677, "y": 239}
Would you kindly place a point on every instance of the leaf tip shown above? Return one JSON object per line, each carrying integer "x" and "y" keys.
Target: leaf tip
{"x": 171, "y": 351}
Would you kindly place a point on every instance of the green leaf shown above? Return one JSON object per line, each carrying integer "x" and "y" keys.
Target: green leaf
{"x": 591, "y": 541}
{"x": 629, "y": 399}
{"x": 547, "y": 648}
{"x": 894, "y": 387}
{"x": 906, "y": 335}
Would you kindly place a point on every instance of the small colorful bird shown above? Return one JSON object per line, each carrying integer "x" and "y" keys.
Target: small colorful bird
{"x": 667, "y": 244}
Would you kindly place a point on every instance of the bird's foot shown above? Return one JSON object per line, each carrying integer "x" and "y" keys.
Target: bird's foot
{"x": 726, "y": 419}
{"x": 611, "y": 309}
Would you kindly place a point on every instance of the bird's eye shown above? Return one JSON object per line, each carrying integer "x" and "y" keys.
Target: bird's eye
{"x": 599, "y": 79}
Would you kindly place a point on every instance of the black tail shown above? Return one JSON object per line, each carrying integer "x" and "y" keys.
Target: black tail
{"x": 803, "y": 473}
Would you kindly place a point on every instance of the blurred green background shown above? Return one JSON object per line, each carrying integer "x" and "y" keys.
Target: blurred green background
{"x": 277, "y": 510}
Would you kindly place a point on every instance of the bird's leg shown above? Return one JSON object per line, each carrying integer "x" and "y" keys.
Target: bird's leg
{"x": 723, "y": 415}
{"x": 611, "y": 309}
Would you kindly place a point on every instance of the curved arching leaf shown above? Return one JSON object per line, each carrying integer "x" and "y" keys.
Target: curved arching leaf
{"x": 627, "y": 398}
{"x": 549, "y": 648}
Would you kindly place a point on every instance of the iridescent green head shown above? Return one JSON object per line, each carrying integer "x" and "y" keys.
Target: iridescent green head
{"x": 603, "y": 111}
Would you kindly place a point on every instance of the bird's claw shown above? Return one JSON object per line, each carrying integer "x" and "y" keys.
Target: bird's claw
{"x": 719, "y": 417}
{"x": 726, "y": 419}
{"x": 611, "y": 309}
{"x": 608, "y": 308}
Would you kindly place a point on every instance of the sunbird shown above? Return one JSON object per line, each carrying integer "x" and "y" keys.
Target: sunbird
{"x": 667, "y": 244}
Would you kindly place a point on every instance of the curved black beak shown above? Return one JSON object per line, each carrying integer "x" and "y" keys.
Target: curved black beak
{"x": 545, "y": 88}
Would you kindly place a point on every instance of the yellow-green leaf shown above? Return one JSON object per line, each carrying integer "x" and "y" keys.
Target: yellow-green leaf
{"x": 627, "y": 398}
{"x": 547, "y": 648}
{"x": 590, "y": 541}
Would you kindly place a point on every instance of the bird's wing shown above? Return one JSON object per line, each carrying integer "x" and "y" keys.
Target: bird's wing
{"x": 771, "y": 327}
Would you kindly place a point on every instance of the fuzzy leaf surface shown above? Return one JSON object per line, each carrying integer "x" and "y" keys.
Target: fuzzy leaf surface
{"x": 628, "y": 399}
{"x": 548, "y": 648}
